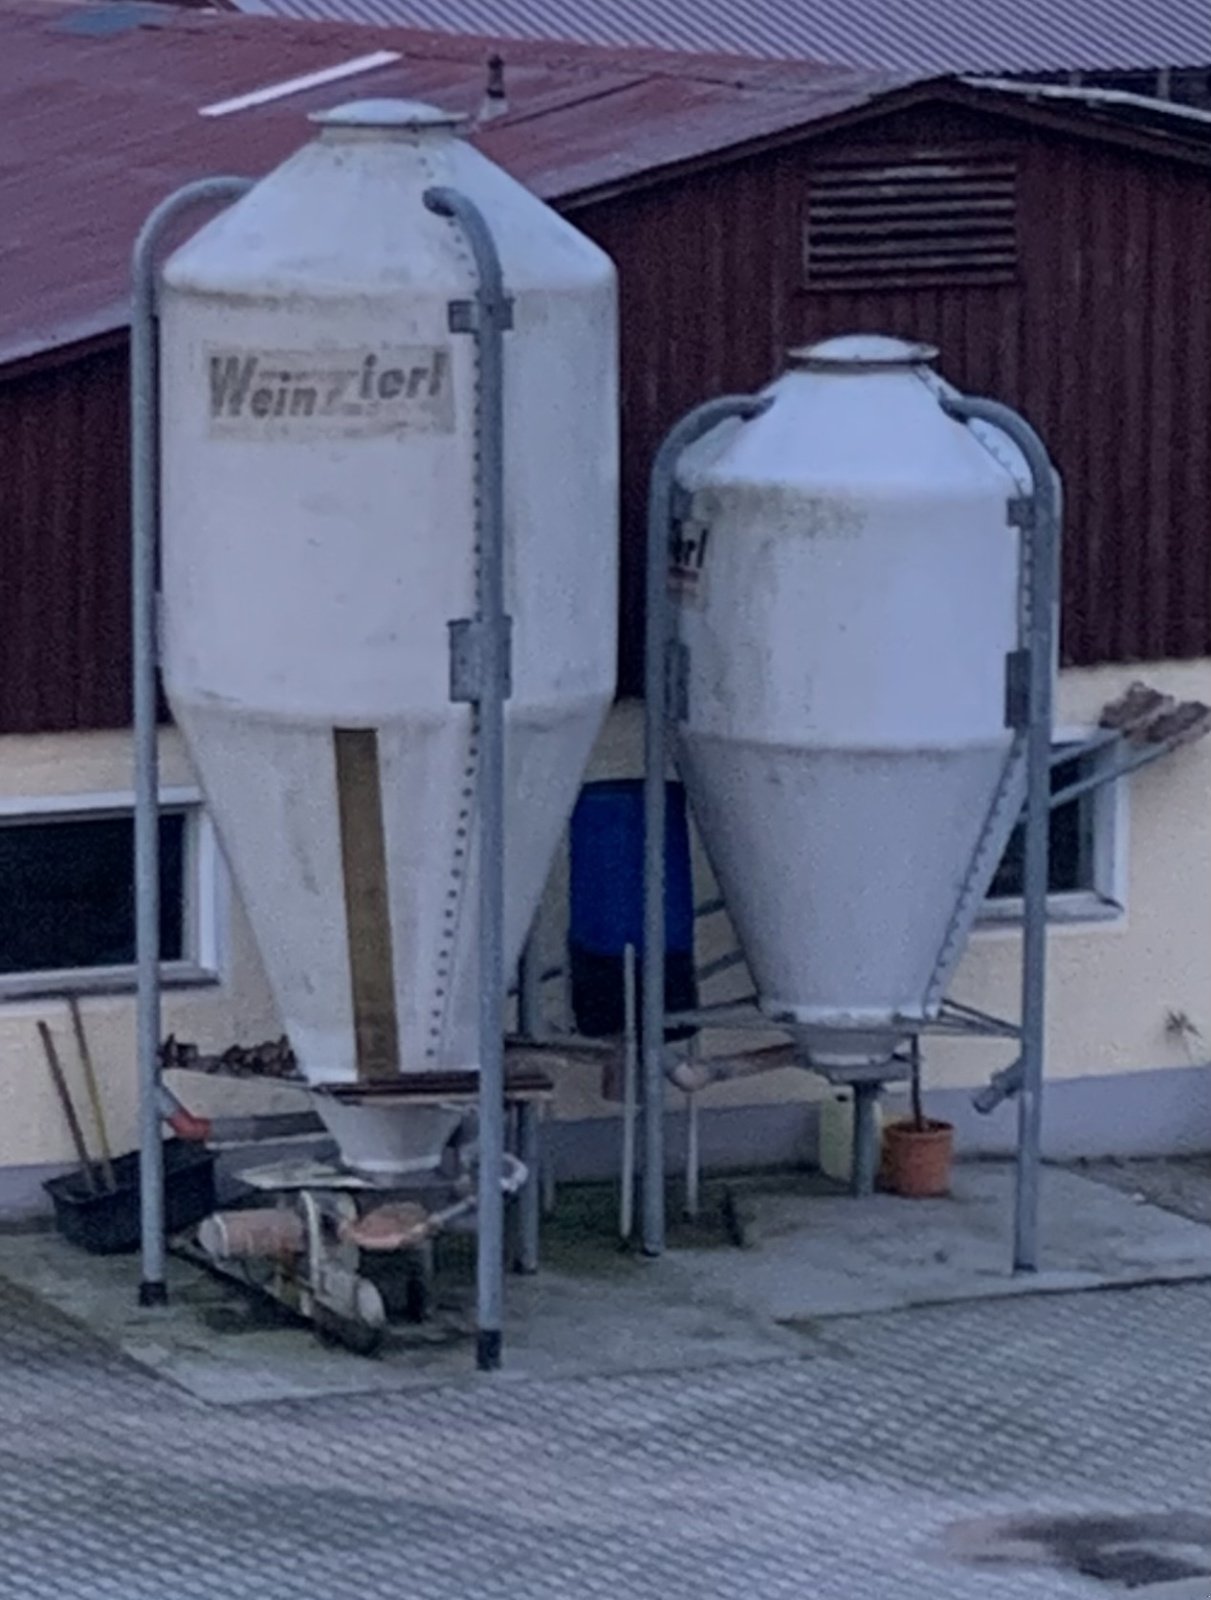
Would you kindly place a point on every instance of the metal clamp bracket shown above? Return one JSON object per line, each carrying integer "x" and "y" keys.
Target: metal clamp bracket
{"x": 464, "y": 315}
{"x": 472, "y": 669}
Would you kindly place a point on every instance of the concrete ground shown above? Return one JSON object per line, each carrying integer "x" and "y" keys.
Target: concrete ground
{"x": 770, "y": 1257}
{"x": 1016, "y": 1446}
{"x": 877, "y": 1462}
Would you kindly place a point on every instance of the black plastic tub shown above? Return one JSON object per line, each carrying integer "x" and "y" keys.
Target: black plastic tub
{"x": 107, "y": 1224}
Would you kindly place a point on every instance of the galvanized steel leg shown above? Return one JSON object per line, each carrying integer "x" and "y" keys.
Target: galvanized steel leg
{"x": 528, "y": 1201}
{"x": 547, "y": 1174}
{"x": 1041, "y": 533}
{"x": 491, "y": 318}
{"x": 529, "y": 989}
{"x": 693, "y": 1158}
{"x": 145, "y": 530}
{"x": 865, "y": 1158}
{"x": 656, "y": 753}
{"x": 630, "y": 1096}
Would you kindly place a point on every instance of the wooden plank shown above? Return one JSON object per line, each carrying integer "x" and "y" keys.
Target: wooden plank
{"x": 367, "y": 909}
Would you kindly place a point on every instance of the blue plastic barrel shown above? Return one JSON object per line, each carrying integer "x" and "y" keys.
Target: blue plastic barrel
{"x": 606, "y": 912}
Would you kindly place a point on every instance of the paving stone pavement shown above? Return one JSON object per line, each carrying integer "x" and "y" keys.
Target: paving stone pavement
{"x": 837, "y": 1475}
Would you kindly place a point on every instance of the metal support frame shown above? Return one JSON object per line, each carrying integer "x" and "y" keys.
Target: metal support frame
{"x": 145, "y": 542}
{"x": 656, "y": 676}
{"x": 1041, "y": 565}
{"x": 487, "y": 320}
{"x": 1038, "y": 516}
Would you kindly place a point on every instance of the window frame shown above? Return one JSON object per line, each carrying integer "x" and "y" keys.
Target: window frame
{"x": 206, "y": 895}
{"x": 1106, "y": 901}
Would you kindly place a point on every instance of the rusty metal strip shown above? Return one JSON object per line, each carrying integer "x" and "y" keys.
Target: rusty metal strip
{"x": 367, "y": 909}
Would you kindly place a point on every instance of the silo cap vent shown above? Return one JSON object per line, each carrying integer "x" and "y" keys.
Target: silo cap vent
{"x": 861, "y": 352}
{"x": 404, "y": 116}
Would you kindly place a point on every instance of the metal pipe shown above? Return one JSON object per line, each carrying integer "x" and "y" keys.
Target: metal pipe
{"x": 529, "y": 1206}
{"x": 491, "y": 317}
{"x": 1003, "y": 1085}
{"x": 864, "y": 1162}
{"x": 529, "y": 990}
{"x": 144, "y": 540}
{"x": 630, "y": 1095}
{"x": 1042, "y": 544}
{"x": 1111, "y": 774}
{"x": 656, "y": 641}
{"x": 702, "y": 1072}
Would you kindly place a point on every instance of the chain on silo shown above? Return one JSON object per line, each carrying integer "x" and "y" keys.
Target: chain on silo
{"x": 456, "y": 884}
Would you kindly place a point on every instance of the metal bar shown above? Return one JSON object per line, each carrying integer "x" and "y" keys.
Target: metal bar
{"x": 693, "y": 1146}
{"x": 985, "y": 1019}
{"x": 630, "y": 1096}
{"x": 549, "y": 1180}
{"x": 1064, "y": 753}
{"x": 728, "y": 1014}
{"x": 1042, "y": 541}
{"x": 491, "y": 319}
{"x": 529, "y": 991}
{"x": 866, "y": 1139}
{"x": 144, "y": 540}
{"x": 1098, "y": 780}
{"x": 724, "y": 963}
{"x": 656, "y": 640}
{"x": 529, "y": 1201}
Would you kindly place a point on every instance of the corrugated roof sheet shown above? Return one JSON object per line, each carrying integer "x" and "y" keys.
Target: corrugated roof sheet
{"x": 99, "y": 120}
{"x": 921, "y": 36}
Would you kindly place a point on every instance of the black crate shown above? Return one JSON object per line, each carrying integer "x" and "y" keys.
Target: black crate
{"x": 107, "y": 1224}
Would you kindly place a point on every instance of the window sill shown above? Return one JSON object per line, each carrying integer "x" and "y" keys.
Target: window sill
{"x": 101, "y": 981}
{"x": 1064, "y": 910}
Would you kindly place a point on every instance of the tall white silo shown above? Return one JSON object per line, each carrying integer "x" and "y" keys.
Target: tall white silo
{"x": 846, "y": 587}
{"x": 319, "y": 535}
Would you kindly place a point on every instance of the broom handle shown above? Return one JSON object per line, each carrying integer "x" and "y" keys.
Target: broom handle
{"x": 69, "y": 1110}
{"x": 94, "y": 1094}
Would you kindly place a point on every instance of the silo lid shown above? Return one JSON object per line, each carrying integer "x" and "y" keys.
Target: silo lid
{"x": 861, "y": 352}
{"x": 407, "y": 116}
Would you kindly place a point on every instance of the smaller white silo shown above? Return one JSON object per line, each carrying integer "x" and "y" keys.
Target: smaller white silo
{"x": 846, "y": 589}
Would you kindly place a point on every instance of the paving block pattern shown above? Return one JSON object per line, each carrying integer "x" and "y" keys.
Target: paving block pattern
{"x": 839, "y": 1474}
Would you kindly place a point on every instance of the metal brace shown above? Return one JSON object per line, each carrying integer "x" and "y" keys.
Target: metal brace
{"x": 471, "y": 665}
{"x": 1017, "y": 690}
{"x": 1020, "y": 512}
{"x": 463, "y": 315}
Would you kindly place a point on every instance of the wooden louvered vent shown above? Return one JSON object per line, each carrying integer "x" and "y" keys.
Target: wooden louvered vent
{"x": 937, "y": 217}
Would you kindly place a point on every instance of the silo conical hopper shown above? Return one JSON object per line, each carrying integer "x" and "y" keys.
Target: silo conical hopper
{"x": 319, "y": 534}
{"x": 846, "y": 587}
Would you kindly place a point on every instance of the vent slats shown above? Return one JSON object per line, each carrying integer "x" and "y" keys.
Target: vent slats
{"x": 937, "y": 219}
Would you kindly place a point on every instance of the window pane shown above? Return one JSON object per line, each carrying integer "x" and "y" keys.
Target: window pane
{"x": 67, "y": 893}
{"x": 1071, "y": 865}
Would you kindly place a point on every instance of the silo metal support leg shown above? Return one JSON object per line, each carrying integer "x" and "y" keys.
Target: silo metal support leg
{"x": 487, "y": 666}
{"x": 1039, "y": 521}
{"x": 145, "y": 538}
{"x": 529, "y": 1200}
{"x": 866, "y": 1139}
{"x": 656, "y": 755}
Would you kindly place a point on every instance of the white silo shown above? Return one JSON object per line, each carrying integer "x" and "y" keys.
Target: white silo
{"x": 846, "y": 587}
{"x": 319, "y": 534}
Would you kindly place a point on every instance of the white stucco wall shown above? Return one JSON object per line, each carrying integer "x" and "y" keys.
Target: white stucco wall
{"x": 1112, "y": 983}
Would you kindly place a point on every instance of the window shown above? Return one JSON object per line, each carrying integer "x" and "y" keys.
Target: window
{"x": 932, "y": 217}
{"x": 67, "y": 904}
{"x": 1088, "y": 837}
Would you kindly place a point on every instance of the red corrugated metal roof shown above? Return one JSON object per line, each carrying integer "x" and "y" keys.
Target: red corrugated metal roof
{"x": 921, "y": 36}
{"x": 99, "y": 119}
